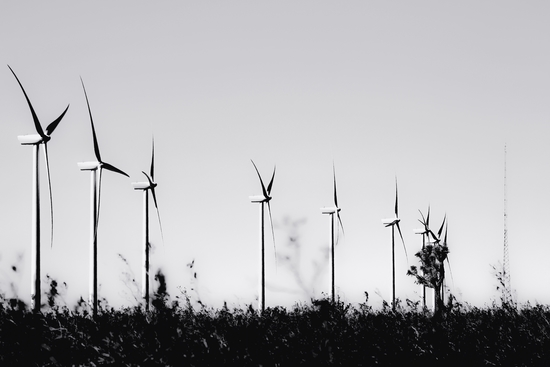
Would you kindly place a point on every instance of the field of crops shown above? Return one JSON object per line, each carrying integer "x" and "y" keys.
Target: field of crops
{"x": 317, "y": 334}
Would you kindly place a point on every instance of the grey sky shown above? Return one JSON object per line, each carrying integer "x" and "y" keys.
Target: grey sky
{"x": 426, "y": 91}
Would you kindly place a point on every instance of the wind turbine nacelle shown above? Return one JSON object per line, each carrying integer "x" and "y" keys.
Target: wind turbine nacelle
{"x": 390, "y": 221}
{"x": 30, "y": 139}
{"x": 88, "y": 166}
{"x": 141, "y": 185}
{"x": 329, "y": 210}
{"x": 257, "y": 198}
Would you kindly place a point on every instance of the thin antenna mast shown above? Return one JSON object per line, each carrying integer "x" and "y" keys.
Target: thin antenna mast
{"x": 506, "y": 289}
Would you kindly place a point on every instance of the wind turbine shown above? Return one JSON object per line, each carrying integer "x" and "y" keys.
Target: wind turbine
{"x": 42, "y": 137}
{"x": 262, "y": 200}
{"x": 448, "y": 262}
{"x": 95, "y": 196}
{"x": 331, "y": 211}
{"x": 394, "y": 222}
{"x": 425, "y": 232}
{"x": 146, "y": 186}
{"x": 437, "y": 242}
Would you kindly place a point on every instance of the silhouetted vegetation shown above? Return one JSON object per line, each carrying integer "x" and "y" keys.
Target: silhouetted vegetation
{"x": 432, "y": 271}
{"x": 321, "y": 333}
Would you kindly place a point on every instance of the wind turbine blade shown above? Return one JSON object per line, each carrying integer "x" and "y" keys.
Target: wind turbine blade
{"x": 396, "y": 198}
{"x": 152, "y": 172}
{"x": 450, "y": 270}
{"x": 335, "y": 195}
{"x": 148, "y": 178}
{"x": 428, "y": 217}
{"x": 50, "y": 190}
{"x": 112, "y": 168}
{"x": 423, "y": 221}
{"x": 34, "y": 117}
{"x": 158, "y": 214}
{"x": 272, "y": 230}
{"x": 341, "y": 225}
{"x": 448, "y": 262}
{"x": 98, "y": 204}
{"x": 441, "y": 228}
{"x": 401, "y": 235}
{"x": 260, "y": 177}
{"x": 51, "y": 127}
{"x": 436, "y": 239}
{"x": 271, "y": 181}
{"x": 96, "y": 145}
{"x": 155, "y": 201}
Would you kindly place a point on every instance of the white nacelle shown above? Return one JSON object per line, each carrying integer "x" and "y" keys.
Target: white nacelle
{"x": 390, "y": 221}
{"x": 329, "y": 210}
{"x": 29, "y": 139}
{"x": 88, "y": 166}
{"x": 257, "y": 198}
{"x": 141, "y": 185}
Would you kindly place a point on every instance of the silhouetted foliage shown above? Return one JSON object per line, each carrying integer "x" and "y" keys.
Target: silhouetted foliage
{"x": 53, "y": 293}
{"x": 321, "y": 333}
{"x": 501, "y": 287}
{"x": 161, "y": 296}
{"x": 432, "y": 271}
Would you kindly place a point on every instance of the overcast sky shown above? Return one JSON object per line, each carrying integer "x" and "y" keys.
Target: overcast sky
{"x": 426, "y": 91}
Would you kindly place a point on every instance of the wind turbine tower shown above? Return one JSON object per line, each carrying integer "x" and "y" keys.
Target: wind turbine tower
{"x": 423, "y": 232}
{"x": 332, "y": 211}
{"x": 506, "y": 289}
{"x": 394, "y": 222}
{"x": 95, "y": 167}
{"x": 263, "y": 199}
{"x": 41, "y": 137}
{"x": 147, "y": 186}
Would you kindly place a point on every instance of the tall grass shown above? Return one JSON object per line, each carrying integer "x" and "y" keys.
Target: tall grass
{"x": 317, "y": 333}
